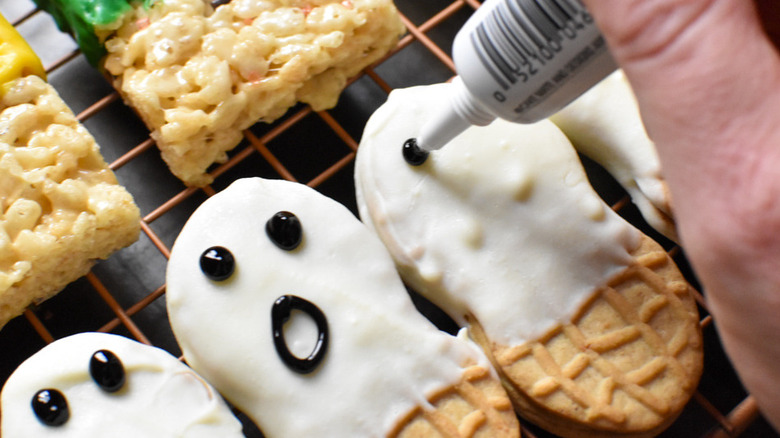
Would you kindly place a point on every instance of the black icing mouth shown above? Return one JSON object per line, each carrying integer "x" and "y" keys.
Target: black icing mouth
{"x": 280, "y": 313}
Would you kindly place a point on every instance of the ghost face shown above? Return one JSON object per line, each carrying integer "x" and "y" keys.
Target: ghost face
{"x": 285, "y": 302}
{"x": 91, "y": 384}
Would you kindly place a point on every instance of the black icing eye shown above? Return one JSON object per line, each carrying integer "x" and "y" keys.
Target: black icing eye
{"x": 107, "y": 370}
{"x": 217, "y": 263}
{"x": 280, "y": 313}
{"x": 215, "y": 3}
{"x": 50, "y": 407}
{"x": 284, "y": 229}
{"x": 414, "y": 154}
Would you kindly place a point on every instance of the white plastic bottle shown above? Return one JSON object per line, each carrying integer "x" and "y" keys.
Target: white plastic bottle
{"x": 520, "y": 60}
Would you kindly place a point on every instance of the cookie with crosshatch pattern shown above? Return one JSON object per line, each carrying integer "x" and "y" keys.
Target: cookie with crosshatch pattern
{"x": 588, "y": 321}
{"x": 316, "y": 335}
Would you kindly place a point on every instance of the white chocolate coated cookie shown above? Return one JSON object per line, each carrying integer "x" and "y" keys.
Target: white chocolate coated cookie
{"x": 158, "y": 396}
{"x": 589, "y": 323}
{"x": 505, "y": 208}
{"x": 605, "y": 124}
{"x": 355, "y": 359}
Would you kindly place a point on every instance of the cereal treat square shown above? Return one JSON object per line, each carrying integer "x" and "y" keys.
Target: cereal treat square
{"x": 199, "y": 75}
{"x": 62, "y": 207}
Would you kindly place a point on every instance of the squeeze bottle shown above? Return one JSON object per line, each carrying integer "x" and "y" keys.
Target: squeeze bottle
{"x": 520, "y": 60}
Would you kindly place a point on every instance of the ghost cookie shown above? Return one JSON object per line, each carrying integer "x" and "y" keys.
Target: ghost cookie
{"x": 605, "y": 124}
{"x": 285, "y": 302}
{"x": 96, "y": 384}
{"x": 589, "y": 322}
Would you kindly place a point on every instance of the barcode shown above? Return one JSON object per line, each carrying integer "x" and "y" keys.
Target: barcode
{"x": 520, "y": 36}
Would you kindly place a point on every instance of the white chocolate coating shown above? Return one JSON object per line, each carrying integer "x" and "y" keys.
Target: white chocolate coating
{"x": 161, "y": 397}
{"x": 501, "y": 223}
{"x": 605, "y": 124}
{"x": 383, "y": 358}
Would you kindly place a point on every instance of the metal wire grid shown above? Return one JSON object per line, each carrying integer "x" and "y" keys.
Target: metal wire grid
{"x": 109, "y": 298}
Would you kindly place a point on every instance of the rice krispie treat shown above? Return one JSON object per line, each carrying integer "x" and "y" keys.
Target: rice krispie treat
{"x": 61, "y": 206}
{"x": 199, "y": 72}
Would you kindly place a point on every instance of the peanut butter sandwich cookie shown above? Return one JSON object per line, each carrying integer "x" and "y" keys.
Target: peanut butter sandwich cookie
{"x": 284, "y": 301}
{"x": 588, "y": 321}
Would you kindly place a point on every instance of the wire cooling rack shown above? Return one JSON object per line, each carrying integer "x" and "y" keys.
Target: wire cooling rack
{"x": 125, "y": 294}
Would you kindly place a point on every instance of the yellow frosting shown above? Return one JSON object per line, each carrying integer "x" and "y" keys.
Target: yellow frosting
{"x": 17, "y": 59}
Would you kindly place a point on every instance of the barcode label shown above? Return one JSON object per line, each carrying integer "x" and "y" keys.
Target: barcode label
{"x": 519, "y": 37}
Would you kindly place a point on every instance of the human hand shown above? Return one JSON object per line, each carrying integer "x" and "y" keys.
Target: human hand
{"x": 707, "y": 77}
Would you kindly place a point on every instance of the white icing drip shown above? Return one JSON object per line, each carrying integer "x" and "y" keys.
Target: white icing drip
{"x": 161, "y": 396}
{"x": 546, "y": 240}
{"x": 383, "y": 357}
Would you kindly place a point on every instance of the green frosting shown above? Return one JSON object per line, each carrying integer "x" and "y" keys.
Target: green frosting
{"x": 79, "y": 18}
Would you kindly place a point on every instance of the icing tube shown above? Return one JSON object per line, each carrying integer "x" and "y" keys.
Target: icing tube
{"x": 522, "y": 61}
